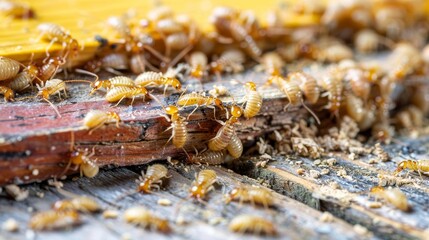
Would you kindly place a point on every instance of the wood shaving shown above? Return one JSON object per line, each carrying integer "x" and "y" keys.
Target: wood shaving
{"x": 15, "y": 192}
{"x": 216, "y": 220}
{"x": 359, "y": 229}
{"x": 315, "y": 174}
{"x": 306, "y": 147}
{"x": 380, "y": 153}
{"x": 218, "y": 90}
{"x": 262, "y": 164}
{"x": 375, "y": 204}
{"x": 334, "y": 185}
{"x": 40, "y": 194}
{"x": 164, "y": 202}
{"x": 326, "y": 217}
{"x": 317, "y": 162}
{"x": 324, "y": 171}
{"x": 373, "y": 161}
{"x": 10, "y": 225}
{"x": 110, "y": 214}
{"x": 331, "y": 161}
{"x": 300, "y": 171}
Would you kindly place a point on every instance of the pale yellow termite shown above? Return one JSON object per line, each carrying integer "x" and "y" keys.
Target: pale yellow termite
{"x": 50, "y": 220}
{"x": 96, "y": 118}
{"x": 119, "y": 81}
{"x": 226, "y": 132}
{"x": 392, "y": 195}
{"x": 117, "y": 94}
{"x": 235, "y": 147}
{"x": 252, "y": 194}
{"x": 140, "y": 216}
{"x": 203, "y": 184}
{"x": 252, "y": 224}
{"x": 253, "y": 101}
{"x": 8, "y": 68}
{"x": 80, "y": 203}
{"x": 152, "y": 179}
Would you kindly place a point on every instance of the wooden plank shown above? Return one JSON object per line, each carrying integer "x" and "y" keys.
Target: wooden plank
{"x": 31, "y": 137}
{"x": 350, "y": 200}
{"x": 293, "y": 219}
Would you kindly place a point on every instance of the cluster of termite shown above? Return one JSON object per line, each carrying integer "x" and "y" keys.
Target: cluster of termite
{"x": 66, "y": 213}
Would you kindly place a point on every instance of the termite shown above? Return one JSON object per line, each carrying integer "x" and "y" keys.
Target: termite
{"x": 229, "y": 61}
{"x": 307, "y": 84}
{"x": 140, "y": 216}
{"x": 293, "y": 93}
{"x": 117, "y": 94}
{"x": 252, "y": 194}
{"x": 179, "y": 133}
{"x": 209, "y": 157}
{"x": 81, "y": 203}
{"x": 16, "y": 10}
{"x": 226, "y": 132}
{"x": 50, "y": 220}
{"x": 420, "y": 166}
{"x": 252, "y": 224}
{"x": 119, "y": 81}
{"x": 157, "y": 79}
{"x": 253, "y": 101}
{"x": 367, "y": 41}
{"x": 354, "y": 107}
{"x": 51, "y": 87}
{"x": 198, "y": 99}
{"x": 8, "y": 94}
{"x": 333, "y": 85}
{"x": 21, "y": 81}
{"x": 392, "y": 195}
{"x": 272, "y": 63}
{"x": 115, "y": 61}
{"x": 95, "y": 119}
{"x": 203, "y": 184}
{"x": 55, "y": 33}
{"x": 198, "y": 62}
{"x": 235, "y": 147}
{"x": 82, "y": 160}
{"x": 8, "y": 68}
{"x": 405, "y": 59}
{"x": 229, "y": 26}
{"x": 152, "y": 179}
{"x": 47, "y": 70}
{"x": 159, "y": 13}
{"x": 358, "y": 82}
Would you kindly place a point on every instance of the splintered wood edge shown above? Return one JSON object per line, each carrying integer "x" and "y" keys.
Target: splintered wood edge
{"x": 282, "y": 181}
{"x": 42, "y": 155}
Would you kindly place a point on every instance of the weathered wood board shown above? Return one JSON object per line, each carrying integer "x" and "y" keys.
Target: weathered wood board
{"x": 33, "y": 137}
{"x": 347, "y": 197}
{"x": 294, "y": 220}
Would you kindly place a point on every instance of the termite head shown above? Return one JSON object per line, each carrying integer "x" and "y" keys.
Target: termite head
{"x": 163, "y": 226}
{"x": 218, "y": 103}
{"x": 99, "y": 84}
{"x": 32, "y": 71}
{"x": 63, "y": 205}
{"x": 144, "y": 186}
{"x": 57, "y": 61}
{"x": 232, "y": 195}
{"x": 376, "y": 189}
{"x": 401, "y": 166}
{"x": 44, "y": 93}
{"x": 251, "y": 86}
{"x": 76, "y": 157}
{"x": 236, "y": 111}
{"x": 171, "y": 110}
{"x": 9, "y": 95}
{"x": 197, "y": 191}
{"x": 115, "y": 116}
{"x": 174, "y": 82}
{"x": 73, "y": 47}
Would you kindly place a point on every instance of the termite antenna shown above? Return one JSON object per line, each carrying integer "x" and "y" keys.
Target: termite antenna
{"x": 311, "y": 112}
{"x": 54, "y": 107}
{"x": 78, "y": 70}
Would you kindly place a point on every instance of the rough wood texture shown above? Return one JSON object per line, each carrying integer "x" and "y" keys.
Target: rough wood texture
{"x": 32, "y": 137}
{"x": 351, "y": 201}
{"x": 294, "y": 220}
